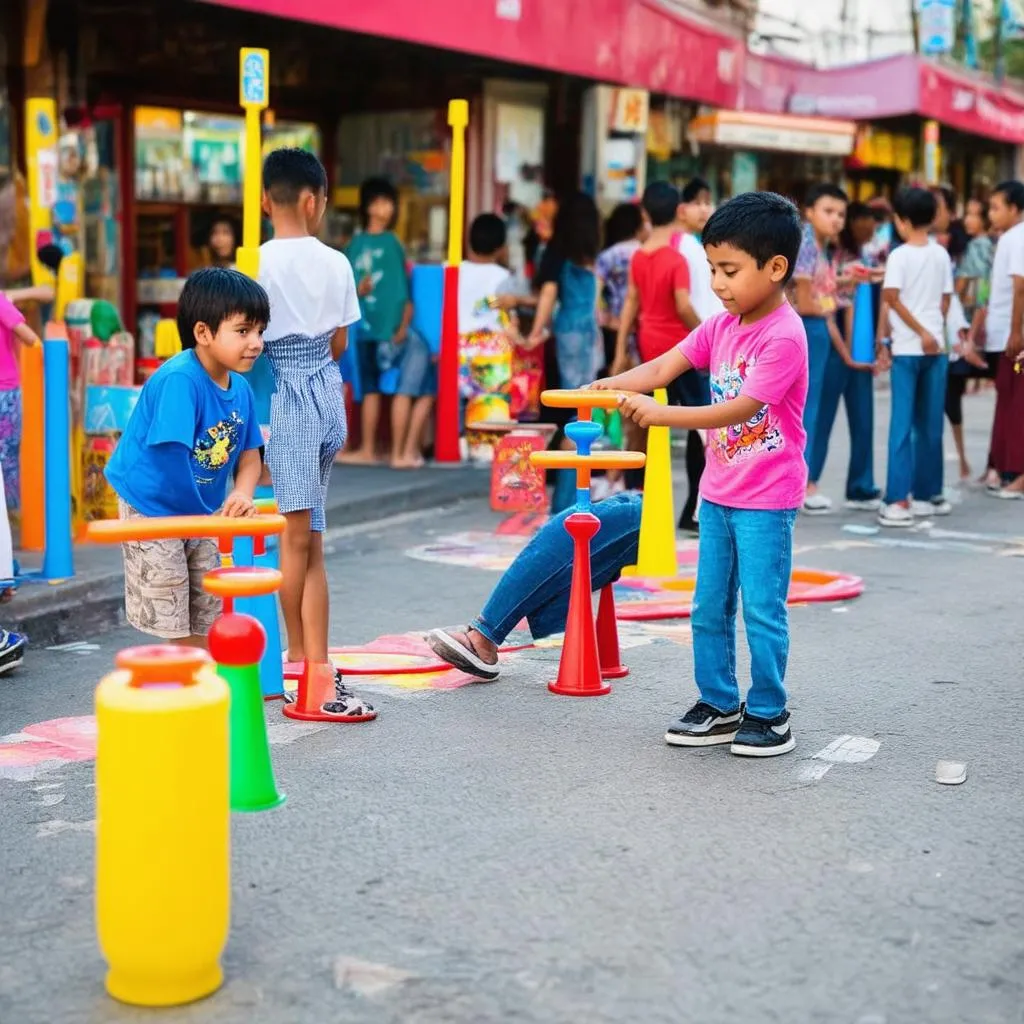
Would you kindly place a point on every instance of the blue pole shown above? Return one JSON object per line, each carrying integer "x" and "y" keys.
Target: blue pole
{"x": 58, "y": 562}
{"x": 264, "y": 610}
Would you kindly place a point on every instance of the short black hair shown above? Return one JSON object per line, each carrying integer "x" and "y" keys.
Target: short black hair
{"x": 288, "y": 172}
{"x": 918, "y": 206}
{"x": 1012, "y": 192}
{"x": 213, "y": 294}
{"x": 693, "y": 188}
{"x": 487, "y": 234}
{"x": 823, "y": 190}
{"x": 623, "y": 224}
{"x": 761, "y": 224}
{"x": 661, "y": 201}
{"x": 375, "y": 188}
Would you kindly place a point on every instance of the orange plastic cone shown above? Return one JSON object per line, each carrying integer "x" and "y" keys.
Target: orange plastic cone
{"x": 579, "y": 670}
{"x": 608, "y": 637}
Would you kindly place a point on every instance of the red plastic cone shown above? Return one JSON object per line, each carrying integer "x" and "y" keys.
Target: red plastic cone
{"x": 579, "y": 671}
{"x": 316, "y": 688}
{"x": 608, "y": 637}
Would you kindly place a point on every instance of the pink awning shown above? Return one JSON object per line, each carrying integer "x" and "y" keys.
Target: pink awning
{"x": 632, "y": 42}
{"x": 892, "y": 87}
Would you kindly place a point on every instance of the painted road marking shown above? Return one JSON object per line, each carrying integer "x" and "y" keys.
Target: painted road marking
{"x": 842, "y": 750}
{"x": 79, "y": 647}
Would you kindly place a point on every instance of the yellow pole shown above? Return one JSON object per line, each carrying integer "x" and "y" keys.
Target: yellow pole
{"x": 254, "y": 96}
{"x": 458, "y": 118}
{"x": 41, "y": 153}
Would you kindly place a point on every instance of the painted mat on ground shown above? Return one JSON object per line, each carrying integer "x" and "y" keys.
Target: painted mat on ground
{"x": 636, "y": 598}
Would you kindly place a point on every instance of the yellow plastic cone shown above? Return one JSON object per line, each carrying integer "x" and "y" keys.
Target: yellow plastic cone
{"x": 657, "y": 555}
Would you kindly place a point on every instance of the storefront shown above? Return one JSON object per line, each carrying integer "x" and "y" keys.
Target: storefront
{"x": 740, "y": 151}
{"x": 917, "y": 119}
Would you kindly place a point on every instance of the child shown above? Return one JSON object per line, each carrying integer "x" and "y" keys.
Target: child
{"x": 814, "y": 296}
{"x": 14, "y": 332}
{"x": 194, "y": 422}
{"x": 385, "y": 339}
{"x": 917, "y": 289}
{"x": 659, "y": 289}
{"x": 12, "y": 645}
{"x": 694, "y": 209}
{"x": 756, "y": 352}
{"x": 312, "y": 303}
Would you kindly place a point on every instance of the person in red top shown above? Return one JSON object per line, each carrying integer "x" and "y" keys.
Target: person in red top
{"x": 659, "y": 292}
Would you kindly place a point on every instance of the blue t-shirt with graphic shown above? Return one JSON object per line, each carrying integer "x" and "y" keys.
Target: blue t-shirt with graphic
{"x": 179, "y": 450}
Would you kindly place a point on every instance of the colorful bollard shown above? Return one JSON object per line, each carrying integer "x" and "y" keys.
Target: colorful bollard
{"x": 237, "y": 643}
{"x": 162, "y": 826}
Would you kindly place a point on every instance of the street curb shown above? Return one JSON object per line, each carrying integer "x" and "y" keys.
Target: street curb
{"x": 83, "y": 608}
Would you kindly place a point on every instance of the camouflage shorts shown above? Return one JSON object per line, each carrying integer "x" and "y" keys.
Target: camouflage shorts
{"x": 163, "y": 592}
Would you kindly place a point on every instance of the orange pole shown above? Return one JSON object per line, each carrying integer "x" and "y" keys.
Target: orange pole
{"x": 33, "y": 497}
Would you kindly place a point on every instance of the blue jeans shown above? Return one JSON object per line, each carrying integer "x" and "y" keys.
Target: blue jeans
{"x": 751, "y": 551}
{"x": 536, "y": 585}
{"x": 856, "y": 388}
{"x": 819, "y": 344}
{"x": 918, "y": 385}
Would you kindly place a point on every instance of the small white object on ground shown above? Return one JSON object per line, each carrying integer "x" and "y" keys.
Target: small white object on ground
{"x": 950, "y": 773}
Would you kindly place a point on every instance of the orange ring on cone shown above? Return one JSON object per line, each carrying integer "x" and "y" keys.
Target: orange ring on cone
{"x": 599, "y": 460}
{"x": 579, "y": 399}
{"x": 242, "y": 581}
{"x": 118, "y": 531}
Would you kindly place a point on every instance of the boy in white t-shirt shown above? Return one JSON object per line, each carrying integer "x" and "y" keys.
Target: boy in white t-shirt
{"x": 917, "y": 289}
{"x": 694, "y": 210}
{"x": 313, "y": 302}
{"x": 484, "y": 276}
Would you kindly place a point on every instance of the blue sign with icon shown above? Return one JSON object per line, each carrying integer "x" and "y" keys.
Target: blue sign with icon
{"x": 254, "y": 78}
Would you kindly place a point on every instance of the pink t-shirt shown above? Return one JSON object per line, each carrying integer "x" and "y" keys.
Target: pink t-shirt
{"x": 10, "y": 317}
{"x": 758, "y": 464}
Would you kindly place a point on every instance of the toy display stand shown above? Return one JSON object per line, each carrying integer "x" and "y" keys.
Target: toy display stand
{"x": 585, "y": 664}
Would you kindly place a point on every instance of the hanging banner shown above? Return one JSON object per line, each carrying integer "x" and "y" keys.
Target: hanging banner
{"x": 936, "y": 26}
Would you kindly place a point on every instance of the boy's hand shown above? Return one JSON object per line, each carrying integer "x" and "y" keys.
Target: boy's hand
{"x": 604, "y": 384}
{"x": 398, "y": 338}
{"x": 365, "y": 286}
{"x": 883, "y": 357}
{"x": 506, "y": 302}
{"x": 238, "y": 505}
{"x": 929, "y": 345}
{"x": 643, "y": 410}
{"x": 1014, "y": 344}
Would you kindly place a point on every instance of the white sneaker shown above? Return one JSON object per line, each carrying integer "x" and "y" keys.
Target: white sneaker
{"x": 1007, "y": 495}
{"x": 863, "y": 504}
{"x": 817, "y": 505}
{"x": 895, "y": 515}
{"x": 927, "y": 509}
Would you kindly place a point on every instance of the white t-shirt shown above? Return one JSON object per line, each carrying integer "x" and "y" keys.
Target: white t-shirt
{"x": 1007, "y": 263}
{"x": 310, "y": 285}
{"x": 477, "y": 282}
{"x": 705, "y": 302}
{"x": 923, "y": 274}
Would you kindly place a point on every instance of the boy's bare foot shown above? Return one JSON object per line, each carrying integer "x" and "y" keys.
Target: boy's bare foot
{"x": 469, "y": 651}
{"x": 360, "y": 457}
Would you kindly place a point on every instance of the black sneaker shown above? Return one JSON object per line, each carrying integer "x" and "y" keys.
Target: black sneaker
{"x": 704, "y": 726}
{"x": 758, "y": 737}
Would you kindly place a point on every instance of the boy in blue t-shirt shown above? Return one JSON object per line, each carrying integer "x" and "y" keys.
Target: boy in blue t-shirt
{"x": 193, "y": 431}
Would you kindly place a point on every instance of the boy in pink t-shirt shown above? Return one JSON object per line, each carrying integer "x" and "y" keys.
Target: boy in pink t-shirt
{"x": 756, "y": 476}
{"x": 13, "y": 331}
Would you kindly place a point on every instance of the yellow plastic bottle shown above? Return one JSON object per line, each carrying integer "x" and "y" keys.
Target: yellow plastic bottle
{"x": 163, "y": 828}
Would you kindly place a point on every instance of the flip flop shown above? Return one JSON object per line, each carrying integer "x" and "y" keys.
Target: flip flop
{"x": 458, "y": 655}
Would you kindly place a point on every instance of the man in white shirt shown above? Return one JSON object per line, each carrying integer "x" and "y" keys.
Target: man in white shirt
{"x": 1004, "y": 327}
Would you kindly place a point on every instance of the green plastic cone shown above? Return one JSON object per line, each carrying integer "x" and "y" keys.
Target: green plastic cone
{"x": 252, "y": 775}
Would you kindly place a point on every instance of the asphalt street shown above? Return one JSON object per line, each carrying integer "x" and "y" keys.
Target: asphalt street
{"x": 494, "y": 853}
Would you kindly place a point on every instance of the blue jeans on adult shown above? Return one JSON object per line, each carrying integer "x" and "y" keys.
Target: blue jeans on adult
{"x": 918, "y": 387}
{"x": 536, "y": 585}
{"x": 819, "y": 343}
{"x": 856, "y": 388}
{"x": 748, "y": 550}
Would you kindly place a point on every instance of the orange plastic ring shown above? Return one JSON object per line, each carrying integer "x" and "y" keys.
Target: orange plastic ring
{"x": 599, "y": 460}
{"x": 242, "y": 581}
{"x": 161, "y": 663}
{"x": 117, "y": 531}
{"x": 564, "y": 399}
